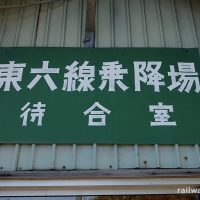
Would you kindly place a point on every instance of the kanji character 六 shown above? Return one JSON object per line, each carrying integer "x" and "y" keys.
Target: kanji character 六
{"x": 44, "y": 70}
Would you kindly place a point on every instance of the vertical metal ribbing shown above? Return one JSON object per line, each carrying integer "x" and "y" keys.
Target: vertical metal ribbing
{"x": 74, "y": 156}
{"x": 115, "y": 157}
{"x": 19, "y": 22}
{"x": 173, "y": 7}
{"x": 16, "y": 157}
{"x": 64, "y": 18}
{"x": 193, "y": 23}
{"x": 79, "y": 41}
{"x": 112, "y": 26}
{"x": 159, "y": 16}
{"x": 178, "y": 160}
{"x": 46, "y": 35}
{"x": 136, "y": 156}
{"x": 3, "y": 26}
{"x": 84, "y": 14}
{"x": 196, "y": 146}
{"x": 157, "y": 155}
{"x": 144, "y": 24}
{"x": 35, "y": 25}
{"x": 128, "y": 23}
{"x": 53, "y": 155}
{"x": 94, "y": 156}
{"x": 32, "y": 156}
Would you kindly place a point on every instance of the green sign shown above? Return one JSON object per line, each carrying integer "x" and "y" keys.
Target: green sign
{"x": 103, "y": 96}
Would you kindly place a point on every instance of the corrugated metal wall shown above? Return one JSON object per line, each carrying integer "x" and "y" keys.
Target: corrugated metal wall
{"x": 119, "y": 23}
{"x": 79, "y": 157}
{"x": 148, "y": 23}
{"x": 59, "y": 23}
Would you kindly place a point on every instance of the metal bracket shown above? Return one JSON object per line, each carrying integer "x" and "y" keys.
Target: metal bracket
{"x": 89, "y": 39}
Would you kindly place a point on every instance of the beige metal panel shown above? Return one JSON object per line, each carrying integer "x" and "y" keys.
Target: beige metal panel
{"x": 137, "y": 24}
{"x": 87, "y": 157}
{"x": 195, "y": 6}
{"x": 26, "y": 157}
{"x": 153, "y": 23}
{"x": 148, "y": 23}
{"x": 2, "y": 19}
{"x": 104, "y": 157}
{"x": 147, "y": 157}
{"x": 43, "y": 157}
{"x": 64, "y": 157}
{"x": 9, "y": 155}
{"x": 186, "y": 24}
{"x": 84, "y": 157}
{"x": 51, "y": 24}
{"x": 18, "y": 26}
{"x": 167, "y": 161}
{"x": 127, "y": 157}
{"x": 186, "y": 159}
{"x": 120, "y": 23}
{"x": 169, "y": 25}
{"x": 104, "y": 31}
{"x": 11, "y": 25}
{"x": 60, "y": 24}
{"x": 111, "y": 23}
{"x": 44, "y": 32}
{"x": 74, "y": 32}
{"x": 27, "y": 29}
